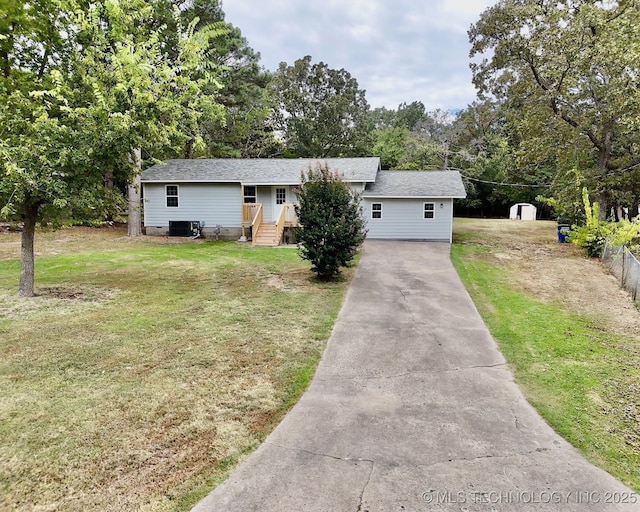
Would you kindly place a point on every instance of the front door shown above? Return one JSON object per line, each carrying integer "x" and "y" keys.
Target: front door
{"x": 279, "y": 200}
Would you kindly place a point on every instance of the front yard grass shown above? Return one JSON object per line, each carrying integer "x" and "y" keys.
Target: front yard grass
{"x": 577, "y": 369}
{"x": 145, "y": 370}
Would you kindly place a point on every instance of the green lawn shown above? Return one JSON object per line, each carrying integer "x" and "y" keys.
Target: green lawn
{"x": 582, "y": 377}
{"x": 145, "y": 370}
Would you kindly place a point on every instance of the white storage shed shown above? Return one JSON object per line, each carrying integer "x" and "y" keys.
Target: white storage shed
{"x": 523, "y": 211}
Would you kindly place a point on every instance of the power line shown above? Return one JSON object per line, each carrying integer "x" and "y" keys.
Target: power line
{"x": 501, "y": 184}
{"x": 542, "y": 185}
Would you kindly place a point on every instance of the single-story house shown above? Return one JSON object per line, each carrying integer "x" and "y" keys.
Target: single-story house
{"x": 523, "y": 211}
{"x": 255, "y": 198}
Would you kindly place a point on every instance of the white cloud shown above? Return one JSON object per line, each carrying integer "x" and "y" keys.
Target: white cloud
{"x": 398, "y": 50}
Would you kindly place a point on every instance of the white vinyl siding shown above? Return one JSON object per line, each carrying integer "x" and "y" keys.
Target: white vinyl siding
{"x": 218, "y": 203}
{"x": 357, "y": 186}
{"x": 264, "y": 197}
{"x": 403, "y": 219}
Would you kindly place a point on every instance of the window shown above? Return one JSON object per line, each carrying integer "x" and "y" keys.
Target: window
{"x": 250, "y": 194}
{"x": 281, "y": 195}
{"x": 429, "y": 210}
{"x": 172, "y": 196}
{"x": 376, "y": 210}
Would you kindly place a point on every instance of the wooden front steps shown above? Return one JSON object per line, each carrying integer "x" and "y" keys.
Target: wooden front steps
{"x": 267, "y": 235}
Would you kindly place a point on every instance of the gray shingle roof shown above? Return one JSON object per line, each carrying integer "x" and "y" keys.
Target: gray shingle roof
{"x": 433, "y": 184}
{"x": 259, "y": 171}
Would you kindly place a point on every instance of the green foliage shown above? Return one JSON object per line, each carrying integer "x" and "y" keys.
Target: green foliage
{"x": 390, "y": 146}
{"x": 627, "y": 233}
{"x": 484, "y": 145}
{"x": 567, "y": 74}
{"x": 321, "y": 111}
{"x": 245, "y": 130}
{"x": 411, "y": 138}
{"x": 74, "y": 120}
{"x": 593, "y": 235}
{"x": 331, "y": 221}
{"x": 83, "y": 85}
{"x": 92, "y": 210}
{"x": 591, "y": 239}
{"x": 409, "y": 116}
{"x": 565, "y": 197}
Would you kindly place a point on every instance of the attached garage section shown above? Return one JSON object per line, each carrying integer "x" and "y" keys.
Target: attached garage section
{"x": 409, "y": 219}
{"x": 412, "y": 205}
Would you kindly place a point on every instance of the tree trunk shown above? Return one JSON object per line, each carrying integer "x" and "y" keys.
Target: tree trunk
{"x": 27, "y": 268}
{"x": 446, "y": 156}
{"x": 134, "y": 222}
{"x": 108, "y": 180}
{"x": 188, "y": 149}
{"x": 635, "y": 197}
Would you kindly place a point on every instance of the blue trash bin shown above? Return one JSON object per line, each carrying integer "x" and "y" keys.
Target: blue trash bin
{"x": 563, "y": 232}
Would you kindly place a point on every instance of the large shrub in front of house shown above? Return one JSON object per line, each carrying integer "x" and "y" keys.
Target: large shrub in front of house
{"x": 331, "y": 221}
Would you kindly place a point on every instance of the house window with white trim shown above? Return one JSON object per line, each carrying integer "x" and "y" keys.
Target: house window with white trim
{"x": 376, "y": 210}
{"x": 281, "y": 195}
{"x": 429, "y": 210}
{"x": 172, "y": 196}
{"x": 250, "y": 195}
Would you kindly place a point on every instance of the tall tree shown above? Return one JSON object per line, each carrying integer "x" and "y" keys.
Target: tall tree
{"x": 412, "y": 138}
{"x": 568, "y": 72}
{"x": 321, "y": 111}
{"x": 143, "y": 98}
{"x": 35, "y": 145}
{"x": 71, "y": 114}
{"x": 245, "y": 129}
{"x": 382, "y": 117}
{"x": 409, "y": 115}
{"x": 483, "y": 144}
{"x": 391, "y": 146}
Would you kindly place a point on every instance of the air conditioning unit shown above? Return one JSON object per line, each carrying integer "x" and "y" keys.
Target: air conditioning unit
{"x": 186, "y": 228}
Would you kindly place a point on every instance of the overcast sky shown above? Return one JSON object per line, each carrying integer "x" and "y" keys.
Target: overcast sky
{"x": 398, "y": 50}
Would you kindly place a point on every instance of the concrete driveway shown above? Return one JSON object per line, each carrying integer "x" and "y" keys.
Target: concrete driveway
{"x": 413, "y": 409}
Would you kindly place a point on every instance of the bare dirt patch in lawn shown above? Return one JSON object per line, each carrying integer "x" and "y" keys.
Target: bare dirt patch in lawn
{"x": 554, "y": 272}
{"x": 291, "y": 280}
{"x": 84, "y": 294}
{"x": 62, "y": 300}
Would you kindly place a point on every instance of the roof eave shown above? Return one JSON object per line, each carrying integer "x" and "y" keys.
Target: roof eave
{"x": 270, "y": 183}
{"x": 166, "y": 180}
{"x": 423, "y": 196}
{"x": 250, "y": 183}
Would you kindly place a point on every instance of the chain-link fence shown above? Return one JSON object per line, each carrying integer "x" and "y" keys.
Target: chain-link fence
{"x": 625, "y": 266}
